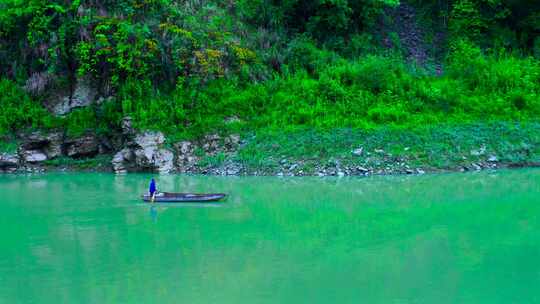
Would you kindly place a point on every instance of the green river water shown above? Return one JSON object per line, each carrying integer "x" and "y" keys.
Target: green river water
{"x": 451, "y": 238}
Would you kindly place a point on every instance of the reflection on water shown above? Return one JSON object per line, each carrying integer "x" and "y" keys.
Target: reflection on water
{"x": 153, "y": 213}
{"x": 455, "y": 238}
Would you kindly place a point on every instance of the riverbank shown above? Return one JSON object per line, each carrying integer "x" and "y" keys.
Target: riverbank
{"x": 339, "y": 152}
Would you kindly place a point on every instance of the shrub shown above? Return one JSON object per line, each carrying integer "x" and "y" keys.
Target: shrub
{"x": 19, "y": 111}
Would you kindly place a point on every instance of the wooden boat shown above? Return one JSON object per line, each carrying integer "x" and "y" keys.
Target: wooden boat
{"x": 169, "y": 197}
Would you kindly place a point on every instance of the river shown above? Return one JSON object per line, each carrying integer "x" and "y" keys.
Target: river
{"x": 449, "y": 238}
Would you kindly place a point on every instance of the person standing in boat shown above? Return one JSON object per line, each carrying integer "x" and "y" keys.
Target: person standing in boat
{"x": 152, "y": 190}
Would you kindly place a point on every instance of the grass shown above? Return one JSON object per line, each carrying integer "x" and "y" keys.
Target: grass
{"x": 213, "y": 160}
{"x": 8, "y": 146}
{"x": 441, "y": 147}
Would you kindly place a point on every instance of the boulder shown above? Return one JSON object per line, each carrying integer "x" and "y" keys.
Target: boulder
{"x": 34, "y": 156}
{"x": 123, "y": 160}
{"x": 493, "y": 159}
{"x": 85, "y": 146}
{"x": 8, "y": 161}
{"x": 149, "y": 139}
{"x": 145, "y": 153}
{"x": 362, "y": 169}
{"x": 163, "y": 161}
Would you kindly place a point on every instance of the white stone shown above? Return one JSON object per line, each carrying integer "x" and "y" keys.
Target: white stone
{"x": 34, "y": 156}
{"x": 358, "y": 151}
{"x": 493, "y": 159}
{"x": 8, "y": 160}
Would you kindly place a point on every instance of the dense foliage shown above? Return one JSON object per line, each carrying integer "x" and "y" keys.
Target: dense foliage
{"x": 191, "y": 66}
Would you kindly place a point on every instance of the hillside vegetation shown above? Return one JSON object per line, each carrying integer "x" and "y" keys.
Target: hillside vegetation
{"x": 192, "y": 67}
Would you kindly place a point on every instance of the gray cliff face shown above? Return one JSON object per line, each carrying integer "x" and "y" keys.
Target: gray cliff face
{"x": 83, "y": 95}
{"x": 85, "y": 146}
{"x": 38, "y": 147}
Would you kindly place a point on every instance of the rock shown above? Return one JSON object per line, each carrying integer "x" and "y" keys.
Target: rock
{"x": 50, "y": 144}
{"x": 186, "y": 159}
{"x": 340, "y": 174}
{"x": 54, "y": 146}
{"x": 184, "y": 147}
{"x": 420, "y": 171}
{"x": 143, "y": 154}
{"x": 8, "y": 161}
{"x": 82, "y": 96}
{"x": 362, "y": 169}
{"x": 233, "y": 171}
{"x": 231, "y": 119}
{"x": 38, "y": 82}
{"x": 476, "y": 167}
{"x": 149, "y": 139}
{"x": 127, "y": 127}
{"x": 85, "y": 146}
{"x": 34, "y": 141}
{"x": 409, "y": 171}
{"x": 163, "y": 161}
{"x": 211, "y": 143}
{"x": 232, "y": 141}
{"x": 105, "y": 145}
{"x": 358, "y": 152}
{"x": 120, "y": 160}
{"x": 34, "y": 156}
{"x": 151, "y": 158}
{"x": 493, "y": 159}
{"x": 293, "y": 167}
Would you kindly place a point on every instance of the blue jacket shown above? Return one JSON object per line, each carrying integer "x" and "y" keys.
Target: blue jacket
{"x": 152, "y": 187}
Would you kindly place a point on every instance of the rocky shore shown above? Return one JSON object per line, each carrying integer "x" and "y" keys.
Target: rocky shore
{"x": 214, "y": 154}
